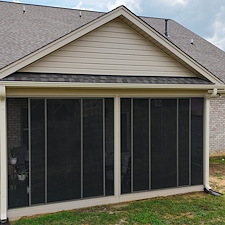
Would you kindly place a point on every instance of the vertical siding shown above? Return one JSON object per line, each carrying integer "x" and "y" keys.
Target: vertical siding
{"x": 113, "y": 49}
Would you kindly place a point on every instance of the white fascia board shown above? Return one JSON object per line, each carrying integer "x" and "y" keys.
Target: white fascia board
{"x": 26, "y": 84}
{"x": 120, "y": 11}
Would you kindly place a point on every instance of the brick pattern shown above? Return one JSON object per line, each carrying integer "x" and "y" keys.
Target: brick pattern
{"x": 217, "y": 126}
{"x": 14, "y": 120}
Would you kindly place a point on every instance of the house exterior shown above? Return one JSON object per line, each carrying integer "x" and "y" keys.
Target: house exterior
{"x": 100, "y": 108}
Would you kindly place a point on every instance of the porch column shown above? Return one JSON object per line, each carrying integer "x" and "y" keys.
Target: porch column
{"x": 3, "y": 156}
{"x": 117, "y": 185}
{"x": 206, "y": 143}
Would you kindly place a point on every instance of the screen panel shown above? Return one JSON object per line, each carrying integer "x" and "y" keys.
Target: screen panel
{"x": 18, "y": 153}
{"x": 64, "y": 149}
{"x": 109, "y": 146}
{"x": 37, "y": 123}
{"x": 183, "y": 141}
{"x": 196, "y": 140}
{"x": 92, "y": 147}
{"x": 125, "y": 146}
{"x": 163, "y": 143}
{"x": 140, "y": 144}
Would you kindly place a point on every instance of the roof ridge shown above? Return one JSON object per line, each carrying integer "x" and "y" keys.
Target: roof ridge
{"x": 49, "y": 6}
{"x": 152, "y": 17}
{"x": 76, "y": 9}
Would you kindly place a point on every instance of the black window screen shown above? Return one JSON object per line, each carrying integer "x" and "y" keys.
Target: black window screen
{"x": 37, "y": 123}
{"x": 140, "y": 162}
{"x": 64, "y": 143}
{"x": 93, "y": 147}
{"x": 161, "y": 143}
{"x": 18, "y": 152}
{"x": 183, "y": 140}
{"x": 126, "y": 145}
{"x": 71, "y": 149}
{"x": 109, "y": 146}
{"x": 71, "y": 146}
{"x": 196, "y": 140}
{"x": 164, "y": 143}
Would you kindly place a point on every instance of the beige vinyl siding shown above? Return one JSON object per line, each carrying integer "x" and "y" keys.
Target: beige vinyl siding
{"x": 112, "y": 49}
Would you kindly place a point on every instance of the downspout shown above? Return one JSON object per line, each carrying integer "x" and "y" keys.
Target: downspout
{"x": 207, "y": 98}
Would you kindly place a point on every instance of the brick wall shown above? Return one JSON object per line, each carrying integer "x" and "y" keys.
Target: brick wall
{"x": 217, "y": 126}
{"x": 14, "y": 119}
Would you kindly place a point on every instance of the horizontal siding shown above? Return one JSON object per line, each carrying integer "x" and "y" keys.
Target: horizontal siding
{"x": 113, "y": 49}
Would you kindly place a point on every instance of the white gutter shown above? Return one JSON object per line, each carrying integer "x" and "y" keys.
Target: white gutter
{"x": 27, "y": 84}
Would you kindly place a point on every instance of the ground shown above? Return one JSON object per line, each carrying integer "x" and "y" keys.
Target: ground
{"x": 194, "y": 208}
{"x": 217, "y": 173}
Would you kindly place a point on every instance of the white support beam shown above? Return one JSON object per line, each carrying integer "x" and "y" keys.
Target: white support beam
{"x": 206, "y": 143}
{"x": 3, "y": 156}
{"x": 117, "y": 164}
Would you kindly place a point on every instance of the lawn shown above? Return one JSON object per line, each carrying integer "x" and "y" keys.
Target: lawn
{"x": 194, "y": 208}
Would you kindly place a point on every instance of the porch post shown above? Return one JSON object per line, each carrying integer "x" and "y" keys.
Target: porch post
{"x": 206, "y": 143}
{"x": 117, "y": 185}
{"x": 3, "y": 156}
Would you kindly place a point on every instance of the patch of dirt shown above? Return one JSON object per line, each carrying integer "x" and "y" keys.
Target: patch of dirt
{"x": 217, "y": 177}
{"x": 194, "y": 194}
{"x": 122, "y": 221}
{"x": 187, "y": 214}
{"x": 116, "y": 206}
{"x": 104, "y": 208}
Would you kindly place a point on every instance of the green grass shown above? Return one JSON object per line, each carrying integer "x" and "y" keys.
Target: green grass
{"x": 217, "y": 160}
{"x": 194, "y": 208}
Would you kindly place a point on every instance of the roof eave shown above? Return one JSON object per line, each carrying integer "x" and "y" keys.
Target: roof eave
{"x": 30, "y": 84}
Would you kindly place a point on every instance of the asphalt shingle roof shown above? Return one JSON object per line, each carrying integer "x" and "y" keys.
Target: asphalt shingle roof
{"x": 24, "y": 33}
{"x": 88, "y": 78}
{"x": 202, "y": 51}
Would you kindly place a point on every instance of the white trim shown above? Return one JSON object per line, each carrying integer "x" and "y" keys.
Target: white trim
{"x": 3, "y": 157}
{"x": 206, "y": 143}
{"x": 162, "y": 192}
{"x": 125, "y": 95}
{"x": 27, "y": 84}
{"x": 50, "y": 208}
{"x": 120, "y": 11}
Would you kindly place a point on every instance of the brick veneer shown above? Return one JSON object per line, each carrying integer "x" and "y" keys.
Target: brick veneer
{"x": 217, "y": 126}
{"x": 14, "y": 120}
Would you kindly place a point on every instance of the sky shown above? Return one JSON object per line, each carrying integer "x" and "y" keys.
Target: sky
{"x": 204, "y": 17}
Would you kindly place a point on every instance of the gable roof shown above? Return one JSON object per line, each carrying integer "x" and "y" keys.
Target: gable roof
{"x": 26, "y": 33}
